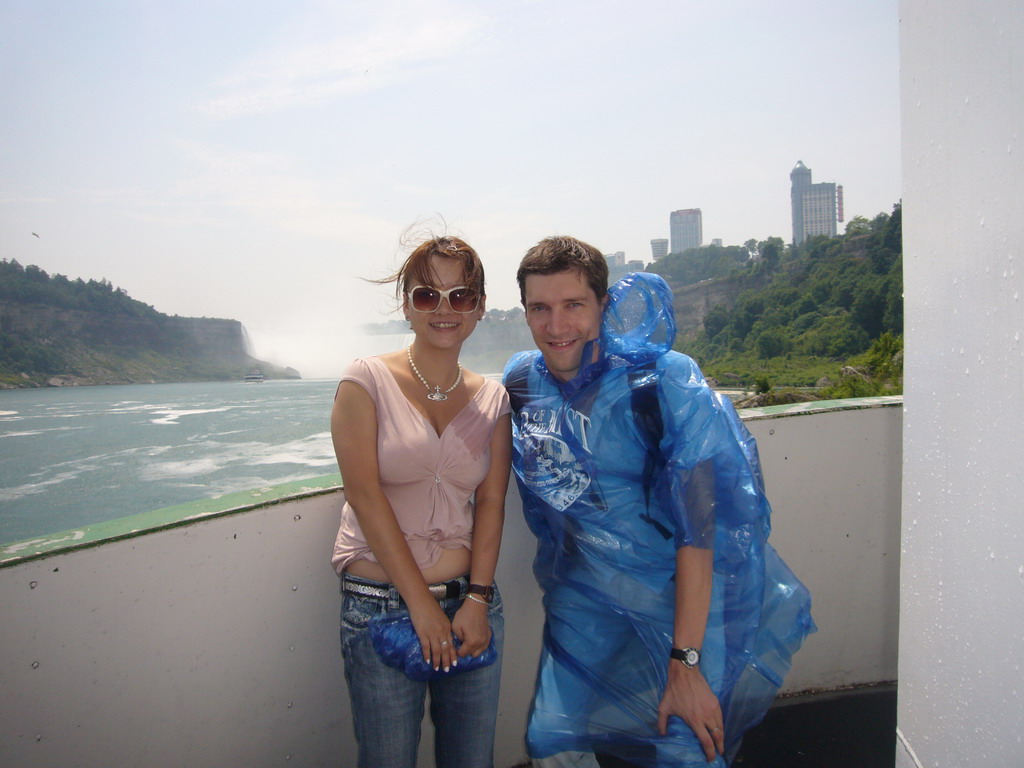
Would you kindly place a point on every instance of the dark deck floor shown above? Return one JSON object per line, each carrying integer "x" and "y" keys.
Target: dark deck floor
{"x": 842, "y": 729}
{"x": 853, "y": 728}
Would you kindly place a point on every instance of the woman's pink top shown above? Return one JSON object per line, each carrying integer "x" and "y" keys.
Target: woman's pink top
{"x": 429, "y": 480}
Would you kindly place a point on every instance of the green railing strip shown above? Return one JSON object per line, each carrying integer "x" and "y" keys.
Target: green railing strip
{"x": 820, "y": 406}
{"x": 163, "y": 519}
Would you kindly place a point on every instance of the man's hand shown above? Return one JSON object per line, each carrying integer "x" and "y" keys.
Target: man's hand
{"x": 688, "y": 697}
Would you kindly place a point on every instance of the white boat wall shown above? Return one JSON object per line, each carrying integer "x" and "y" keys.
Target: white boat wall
{"x": 206, "y": 636}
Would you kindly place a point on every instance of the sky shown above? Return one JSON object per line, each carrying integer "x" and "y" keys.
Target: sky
{"x": 259, "y": 160}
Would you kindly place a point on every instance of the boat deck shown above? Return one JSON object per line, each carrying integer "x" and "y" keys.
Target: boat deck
{"x": 843, "y": 729}
{"x": 853, "y": 728}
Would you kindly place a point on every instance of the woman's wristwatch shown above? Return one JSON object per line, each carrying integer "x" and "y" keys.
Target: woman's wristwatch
{"x": 487, "y": 593}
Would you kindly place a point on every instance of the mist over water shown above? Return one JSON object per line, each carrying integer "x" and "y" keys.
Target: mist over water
{"x": 366, "y": 345}
{"x": 74, "y": 456}
{"x": 321, "y": 354}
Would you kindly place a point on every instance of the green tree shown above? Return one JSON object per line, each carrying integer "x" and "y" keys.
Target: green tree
{"x": 869, "y": 309}
{"x": 697, "y": 264}
{"x": 835, "y": 336}
{"x": 858, "y": 225}
{"x": 772, "y": 342}
{"x": 885, "y": 358}
{"x": 715, "y": 321}
{"x": 771, "y": 251}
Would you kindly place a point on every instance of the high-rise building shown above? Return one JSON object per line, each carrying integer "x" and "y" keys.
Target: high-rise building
{"x": 816, "y": 207}
{"x": 685, "y": 229}
{"x": 659, "y": 248}
{"x": 618, "y": 267}
{"x": 617, "y": 259}
{"x": 799, "y": 183}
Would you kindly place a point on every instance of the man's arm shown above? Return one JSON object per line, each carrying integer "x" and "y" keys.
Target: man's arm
{"x": 687, "y": 694}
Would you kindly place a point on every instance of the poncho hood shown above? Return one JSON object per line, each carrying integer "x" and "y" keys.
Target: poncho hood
{"x": 638, "y": 326}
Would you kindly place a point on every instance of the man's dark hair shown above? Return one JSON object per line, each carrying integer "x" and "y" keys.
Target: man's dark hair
{"x": 560, "y": 253}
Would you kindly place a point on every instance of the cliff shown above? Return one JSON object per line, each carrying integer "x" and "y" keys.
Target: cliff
{"x": 46, "y": 345}
{"x": 693, "y": 302}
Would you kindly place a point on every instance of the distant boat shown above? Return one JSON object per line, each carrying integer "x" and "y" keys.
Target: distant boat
{"x": 256, "y": 377}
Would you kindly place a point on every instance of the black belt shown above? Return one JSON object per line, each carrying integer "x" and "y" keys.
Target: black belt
{"x": 442, "y": 590}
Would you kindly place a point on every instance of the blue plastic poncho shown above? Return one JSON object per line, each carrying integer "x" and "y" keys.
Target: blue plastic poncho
{"x": 618, "y": 468}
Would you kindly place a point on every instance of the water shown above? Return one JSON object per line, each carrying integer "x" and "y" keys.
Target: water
{"x": 70, "y": 457}
{"x": 74, "y": 456}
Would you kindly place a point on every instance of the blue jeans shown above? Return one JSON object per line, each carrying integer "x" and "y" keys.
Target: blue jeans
{"x": 387, "y": 707}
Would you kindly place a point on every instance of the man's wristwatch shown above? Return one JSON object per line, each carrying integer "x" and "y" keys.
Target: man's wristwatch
{"x": 690, "y": 657}
{"x": 487, "y": 593}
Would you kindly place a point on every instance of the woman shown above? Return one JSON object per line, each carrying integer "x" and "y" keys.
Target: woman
{"x": 424, "y": 449}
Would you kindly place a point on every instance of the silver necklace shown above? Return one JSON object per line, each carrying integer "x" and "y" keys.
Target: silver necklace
{"x": 437, "y": 395}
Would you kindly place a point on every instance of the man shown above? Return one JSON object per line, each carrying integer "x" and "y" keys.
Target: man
{"x": 661, "y": 643}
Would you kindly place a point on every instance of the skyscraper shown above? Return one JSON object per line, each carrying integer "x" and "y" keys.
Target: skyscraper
{"x": 618, "y": 267}
{"x": 814, "y": 206}
{"x": 617, "y": 259}
{"x": 659, "y": 248}
{"x": 685, "y": 229}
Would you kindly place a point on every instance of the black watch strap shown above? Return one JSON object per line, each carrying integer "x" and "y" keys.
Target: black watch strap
{"x": 690, "y": 657}
{"x": 487, "y": 593}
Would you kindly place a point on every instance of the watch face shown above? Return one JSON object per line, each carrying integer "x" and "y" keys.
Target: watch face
{"x": 688, "y": 657}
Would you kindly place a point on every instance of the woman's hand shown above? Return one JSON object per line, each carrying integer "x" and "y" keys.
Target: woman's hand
{"x": 472, "y": 627}
{"x": 435, "y": 634}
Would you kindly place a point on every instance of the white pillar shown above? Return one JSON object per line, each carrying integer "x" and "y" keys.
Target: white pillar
{"x": 961, "y": 686}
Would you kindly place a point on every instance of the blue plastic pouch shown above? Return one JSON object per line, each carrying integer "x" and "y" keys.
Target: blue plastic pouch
{"x": 395, "y": 641}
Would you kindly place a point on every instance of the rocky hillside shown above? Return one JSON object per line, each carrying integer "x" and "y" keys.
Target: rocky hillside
{"x": 694, "y": 302}
{"x": 57, "y": 332}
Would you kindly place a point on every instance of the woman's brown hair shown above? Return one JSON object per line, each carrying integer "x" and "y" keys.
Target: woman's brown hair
{"x": 416, "y": 269}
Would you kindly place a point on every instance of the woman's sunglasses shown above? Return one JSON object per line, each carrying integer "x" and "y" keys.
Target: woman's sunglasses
{"x": 461, "y": 299}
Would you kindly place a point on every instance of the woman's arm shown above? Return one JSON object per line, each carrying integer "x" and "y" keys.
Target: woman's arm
{"x": 354, "y": 433}
{"x": 470, "y": 623}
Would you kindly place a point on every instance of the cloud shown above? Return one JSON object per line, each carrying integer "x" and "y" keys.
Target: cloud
{"x": 315, "y": 73}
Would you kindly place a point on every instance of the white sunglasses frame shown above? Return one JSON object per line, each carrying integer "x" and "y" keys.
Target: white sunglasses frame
{"x": 444, "y": 295}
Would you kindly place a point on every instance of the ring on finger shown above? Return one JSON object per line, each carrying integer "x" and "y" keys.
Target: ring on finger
{"x": 444, "y": 643}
